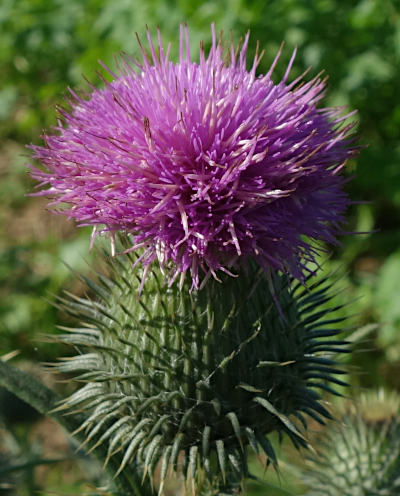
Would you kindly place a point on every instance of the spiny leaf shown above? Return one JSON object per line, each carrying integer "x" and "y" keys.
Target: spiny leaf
{"x": 157, "y": 426}
{"x": 122, "y": 437}
{"x": 320, "y": 333}
{"x": 267, "y": 447}
{"x": 98, "y": 416}
{"x": 175, "y": 449}
{"x": 124, "y": 421}
{"x": 193, "y": 460}
{"x": 206, "y": 440}
{"x": 313, "y": 415}
{"x": 128, "y": 454}
{"x": 89, "y": 361}
{"x": 131, "y": 433}
{"x": 250, "y": 389}
{"x": 164, "y": 468}
{"x": 252, "y": 439}
{"x": 266, "y": 363}
{"x": 221, "y": 457}
{"x": 324, "y": 387}
{"x": 285, "y": 421}
{"x": 185, "y": 417}
{"x": 217, "y": 406}
{"x": 96, "y": 288}
{"x": 326, "y": 377}
{"x": 236, "y": 427}
{"x": 151, "y": 451}
{"x": 236, "y": 463}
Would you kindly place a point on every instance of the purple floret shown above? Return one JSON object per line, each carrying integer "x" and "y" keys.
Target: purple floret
{"x": 204, "y": 164}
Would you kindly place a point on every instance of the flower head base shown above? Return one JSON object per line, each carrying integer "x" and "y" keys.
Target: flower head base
{"x": 192, "y": 381}
{"x": 205, "y": 164}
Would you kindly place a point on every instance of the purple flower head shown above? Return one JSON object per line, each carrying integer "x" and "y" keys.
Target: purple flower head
{"x": 204, "y": 164}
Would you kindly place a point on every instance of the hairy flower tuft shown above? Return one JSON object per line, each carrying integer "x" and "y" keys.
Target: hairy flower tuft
{"x": 205, "y": 164}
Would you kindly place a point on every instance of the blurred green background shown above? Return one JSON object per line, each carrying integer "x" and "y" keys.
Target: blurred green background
{"x": 46, "y": 45}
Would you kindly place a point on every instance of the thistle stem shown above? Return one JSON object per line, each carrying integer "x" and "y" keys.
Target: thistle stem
{"x": 44, "y": 400}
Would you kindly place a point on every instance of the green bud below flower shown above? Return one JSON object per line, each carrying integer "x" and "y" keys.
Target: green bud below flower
{"x": 189, "y": 381}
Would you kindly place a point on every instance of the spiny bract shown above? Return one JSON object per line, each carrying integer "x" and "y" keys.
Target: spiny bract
{"x": 194, "y": 379}
{"x": 204, "y": 163}
{"x": 360, "y": 456}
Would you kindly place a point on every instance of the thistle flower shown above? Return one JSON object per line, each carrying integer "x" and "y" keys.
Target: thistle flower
{"x": 205, "y": 164}
{"x": 193, "y": 380}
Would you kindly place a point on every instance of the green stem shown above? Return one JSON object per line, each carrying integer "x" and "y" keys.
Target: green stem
{"x": 44, "y": 400}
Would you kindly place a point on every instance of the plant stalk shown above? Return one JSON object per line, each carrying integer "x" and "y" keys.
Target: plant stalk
{"x": 44, "y": 400}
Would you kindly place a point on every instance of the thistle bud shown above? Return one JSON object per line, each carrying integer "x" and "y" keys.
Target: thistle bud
{"x": 190, "y": 380}
{"x": 361, "y": 455}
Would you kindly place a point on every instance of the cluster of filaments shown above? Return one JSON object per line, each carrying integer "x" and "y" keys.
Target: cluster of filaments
{"x": 204, "y": 164}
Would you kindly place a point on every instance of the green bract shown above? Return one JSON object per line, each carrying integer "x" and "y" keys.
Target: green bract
{"x": 191, "y": 380}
